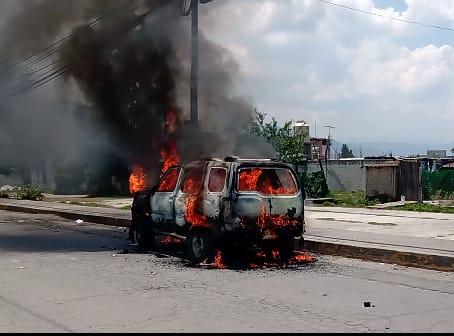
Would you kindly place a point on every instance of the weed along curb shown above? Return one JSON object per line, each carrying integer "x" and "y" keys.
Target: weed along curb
{"x": 410, "y": 259}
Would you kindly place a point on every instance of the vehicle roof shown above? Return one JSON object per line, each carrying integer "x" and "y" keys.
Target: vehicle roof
{"x": 229, "y": 161}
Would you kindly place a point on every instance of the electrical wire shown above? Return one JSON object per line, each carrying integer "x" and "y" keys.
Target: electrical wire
{"x": 58, "y": 44}
{"x": 384, "y": 16}
{"x": 48, "y": 51}
{"x": 55, "y": 73}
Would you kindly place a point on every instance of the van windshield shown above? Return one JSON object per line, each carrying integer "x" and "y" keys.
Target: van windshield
{"x": 267, "y": 181}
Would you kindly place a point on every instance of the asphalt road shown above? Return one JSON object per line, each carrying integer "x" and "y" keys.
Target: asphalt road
{"x": 61, "y": 276}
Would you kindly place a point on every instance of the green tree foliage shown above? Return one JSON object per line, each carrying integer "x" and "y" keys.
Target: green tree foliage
{"x": 290, "y": 149}
{"x": 288, "y": 145}
{"x": 346, "y": 153}
{"x": 315, "y": 184}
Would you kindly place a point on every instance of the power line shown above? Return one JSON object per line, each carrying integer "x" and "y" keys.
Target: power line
{"x": 386, "y": 17}
{"x": 36, "y": 84}
{"x": 50, "y": 48}
{"x": 45, "y": 77}
{"x": 47, "y": 52}
{"x": 55, "y": 73}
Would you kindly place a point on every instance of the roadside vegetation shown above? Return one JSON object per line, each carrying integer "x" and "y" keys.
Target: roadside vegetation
{"x": 348, "y": 199}
{"x": 27, "y": 192}
{"x": 424, "y": 207}
{"x": 357, "y": 199}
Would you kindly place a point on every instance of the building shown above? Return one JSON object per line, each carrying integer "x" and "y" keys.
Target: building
{"x": 385, "y": 178}
{"x": 321, "y": 149}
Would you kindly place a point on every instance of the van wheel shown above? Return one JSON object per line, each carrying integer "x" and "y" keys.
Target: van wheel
{"x": 144, "y": 235}
{"x": 200, "y": 245}
{"x": 286, "y": 248}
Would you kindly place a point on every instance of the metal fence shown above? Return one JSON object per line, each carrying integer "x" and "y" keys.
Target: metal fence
{"x": 437, "y": 184}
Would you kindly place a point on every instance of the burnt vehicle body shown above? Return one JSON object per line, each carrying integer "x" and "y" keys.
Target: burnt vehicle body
{"x": 228, "y": 204}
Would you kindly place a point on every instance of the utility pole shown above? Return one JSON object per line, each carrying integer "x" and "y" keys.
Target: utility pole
{"x": 191, "y": 7}
{"x": 194, "y": 62}
{"x": 329, "y": 141}
{"x": 329, "y": 131}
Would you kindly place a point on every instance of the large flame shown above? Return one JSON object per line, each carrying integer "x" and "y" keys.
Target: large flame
{"x": 137, "y": 180}
{"x": 169, "y": 153}
{"x": 257, "y": 179}
{"x": 193, "y": 215}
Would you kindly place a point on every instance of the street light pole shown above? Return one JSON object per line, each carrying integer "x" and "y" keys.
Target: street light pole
{"x": 329, "y": 130}
{"x": 191, "y": 7}
{"x": 329, "y": 142}
{"x": 194, "y": 61}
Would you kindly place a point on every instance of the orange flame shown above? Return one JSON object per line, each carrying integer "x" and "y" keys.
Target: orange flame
{"x": 193, "y": 214}
{"x": 269, "y": 222}
{"x": 249, "y": 181}
{"x": 300, "y": 258}
{"x": 137, "y": 180}
{"x": 171, "y": 239}
{"x": 218, "y": 260}
{"x": 169, "y": 153}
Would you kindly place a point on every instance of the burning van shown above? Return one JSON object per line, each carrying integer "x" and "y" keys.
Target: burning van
{"x": 226, "y": 205}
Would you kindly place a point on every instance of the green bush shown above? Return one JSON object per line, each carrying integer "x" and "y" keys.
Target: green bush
{"x": 353, "y": 199}
{"x": 27, "y": 192}
{"x": 315, "y": 185}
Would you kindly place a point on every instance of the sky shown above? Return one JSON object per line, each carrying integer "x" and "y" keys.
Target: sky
{"x": 357, "y": 66}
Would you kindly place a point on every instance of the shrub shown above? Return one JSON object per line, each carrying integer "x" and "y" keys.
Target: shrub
{"x": 315, "y": 184}
{"x": 27, "y": 192}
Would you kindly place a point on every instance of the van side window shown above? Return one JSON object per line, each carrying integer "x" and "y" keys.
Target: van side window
{"x": 170, "y": 180}
{"x": 216, "y": 181}
{"x": 193, "y": 180}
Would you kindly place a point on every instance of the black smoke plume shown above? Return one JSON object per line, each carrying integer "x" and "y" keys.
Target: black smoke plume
{"x": 122, "y": 67}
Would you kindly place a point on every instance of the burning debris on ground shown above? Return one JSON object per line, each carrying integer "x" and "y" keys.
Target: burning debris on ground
{"x": 257, "y": 259}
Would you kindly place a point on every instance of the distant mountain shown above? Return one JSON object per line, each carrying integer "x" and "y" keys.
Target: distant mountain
{"x": 376, "y": 148}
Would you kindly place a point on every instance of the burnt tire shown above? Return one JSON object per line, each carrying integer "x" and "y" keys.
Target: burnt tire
{"x": 144, "y": 234}
{"x": 200, "y": 245}
{"x": 285, "y": 247}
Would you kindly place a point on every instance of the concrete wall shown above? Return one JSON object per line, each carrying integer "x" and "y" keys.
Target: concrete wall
{"x": 343, "y": 175}
{"x": 381, "y": 181}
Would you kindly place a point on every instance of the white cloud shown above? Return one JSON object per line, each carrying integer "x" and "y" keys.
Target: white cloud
{"x": 305, "y": 59}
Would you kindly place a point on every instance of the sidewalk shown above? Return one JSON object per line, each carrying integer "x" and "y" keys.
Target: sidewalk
{"x": 405, "y": 238}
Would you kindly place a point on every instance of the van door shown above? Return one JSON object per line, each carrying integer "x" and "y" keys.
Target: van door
{"x": 189, "y": 197}
{"x": 162, "y": 201}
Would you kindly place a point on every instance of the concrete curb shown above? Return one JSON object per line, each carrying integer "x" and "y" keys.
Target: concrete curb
{"x": 98, "y": 219}
{"x": 410, "y": 259}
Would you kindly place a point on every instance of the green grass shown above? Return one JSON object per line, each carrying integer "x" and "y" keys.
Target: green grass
{"x": 357, "y": 199}
{"x": 90, "y": 204}
{"x": 424, "y": 207}
{"x": 349, "y": 199}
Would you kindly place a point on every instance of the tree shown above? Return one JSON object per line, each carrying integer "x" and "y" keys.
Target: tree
{"x": 288, "y": 145}
{"x": 346, "y": 153}
{"x": 290, "y": 149}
